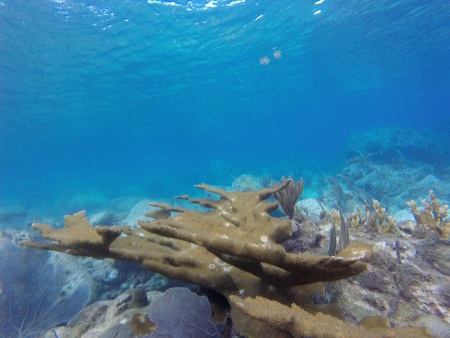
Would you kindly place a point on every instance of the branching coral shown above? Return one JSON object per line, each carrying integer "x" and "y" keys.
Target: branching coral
{"x": 233, "y": 248}
{"x": 300, "y": 323}
{"x": 433, "y": 215}
{"x": 376, "y": 220}
{"x": 379, "y": 219}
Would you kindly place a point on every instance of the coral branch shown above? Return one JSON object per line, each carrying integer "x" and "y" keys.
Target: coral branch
{"x": 433, "y": 215}
{"x": 233, "y": 248}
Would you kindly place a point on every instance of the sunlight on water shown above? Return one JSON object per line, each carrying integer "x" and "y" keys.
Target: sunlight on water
{"x": 211, "y": 76}
{"x": 197, "y": 5}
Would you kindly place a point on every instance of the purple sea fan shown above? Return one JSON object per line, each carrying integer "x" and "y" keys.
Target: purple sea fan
{"x": 180, "y": 313}
{"x": 31, "y": 296}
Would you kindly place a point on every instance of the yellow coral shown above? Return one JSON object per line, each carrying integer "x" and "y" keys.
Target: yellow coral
{"x": 433, "y": 215}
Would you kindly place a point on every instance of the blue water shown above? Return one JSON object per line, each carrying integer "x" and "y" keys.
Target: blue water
{"x": 150, "y": 98}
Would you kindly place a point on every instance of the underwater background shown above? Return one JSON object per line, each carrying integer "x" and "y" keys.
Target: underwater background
{"x": 148, "y": 98}
{"x": 107, "y": 105}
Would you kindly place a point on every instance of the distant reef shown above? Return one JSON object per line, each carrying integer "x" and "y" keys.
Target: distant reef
{"x": 400, "y": 145}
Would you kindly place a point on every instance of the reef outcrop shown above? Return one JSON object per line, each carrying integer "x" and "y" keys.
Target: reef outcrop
{"x": 234, "y": 247}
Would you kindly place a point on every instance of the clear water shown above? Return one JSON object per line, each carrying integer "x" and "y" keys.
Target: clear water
{"x": 149, "y": 98}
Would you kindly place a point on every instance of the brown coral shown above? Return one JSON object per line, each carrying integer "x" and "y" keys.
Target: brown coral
{"x": 288, "y": 196}
{"x": 433, "y": 215}
{"x": 300, "y": 323}
{"x": 233, "y": 248}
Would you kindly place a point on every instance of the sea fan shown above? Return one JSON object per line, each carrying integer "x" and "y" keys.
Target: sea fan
{"x": 180, "y": 313}
{"x": 31, "y": 298}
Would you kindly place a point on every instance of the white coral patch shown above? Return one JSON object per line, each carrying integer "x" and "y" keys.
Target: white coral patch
{"x": 219, "y": 261}
{"x": 358, "y": 254}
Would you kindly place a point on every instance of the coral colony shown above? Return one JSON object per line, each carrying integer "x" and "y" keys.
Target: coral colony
{"x": 235, "y": 249}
